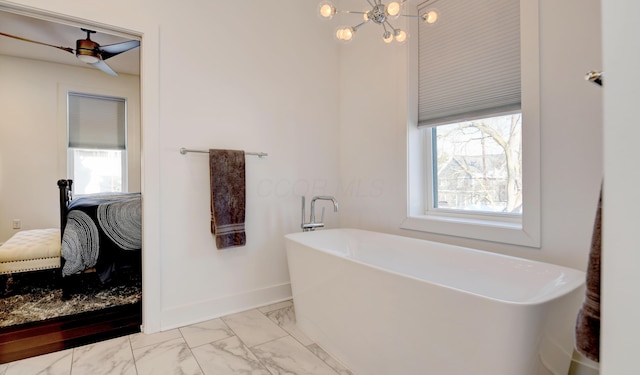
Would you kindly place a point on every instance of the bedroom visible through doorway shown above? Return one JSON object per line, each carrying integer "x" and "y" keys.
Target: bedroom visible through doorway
{"x": 31, "y": 302}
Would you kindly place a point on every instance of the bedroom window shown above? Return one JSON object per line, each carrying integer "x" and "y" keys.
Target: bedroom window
{"x": 97, "y": 152}
{"x": 474, "y": 137}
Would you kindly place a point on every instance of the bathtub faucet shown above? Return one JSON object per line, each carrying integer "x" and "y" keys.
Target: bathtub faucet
{"x": 311, "y": 225}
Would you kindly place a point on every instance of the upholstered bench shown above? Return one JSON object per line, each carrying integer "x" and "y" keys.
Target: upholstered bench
{"x": 31, "y": 250}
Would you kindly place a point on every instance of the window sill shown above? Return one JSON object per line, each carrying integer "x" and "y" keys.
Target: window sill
{"x": 480, "y": 229}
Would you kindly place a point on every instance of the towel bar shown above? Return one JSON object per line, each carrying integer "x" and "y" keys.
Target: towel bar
{"x": 184, "y": 151}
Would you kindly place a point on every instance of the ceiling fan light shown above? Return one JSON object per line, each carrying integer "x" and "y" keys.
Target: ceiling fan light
{"x": 89, "y": 59}
{"x": 86, "y": 51}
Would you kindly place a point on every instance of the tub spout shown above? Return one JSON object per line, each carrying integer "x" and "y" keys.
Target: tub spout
{"x": 313, "y": 206}
{"x": 312, "y": 224}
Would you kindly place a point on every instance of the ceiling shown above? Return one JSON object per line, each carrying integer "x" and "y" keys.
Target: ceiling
{"x": 64, "y": 35}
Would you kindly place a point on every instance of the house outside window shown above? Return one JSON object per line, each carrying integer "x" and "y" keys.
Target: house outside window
{"x": 477, "y": 166}
{"x": 97, "y": 143}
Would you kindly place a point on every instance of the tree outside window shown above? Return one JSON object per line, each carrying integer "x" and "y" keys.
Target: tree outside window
{"x": 477, "y": 165}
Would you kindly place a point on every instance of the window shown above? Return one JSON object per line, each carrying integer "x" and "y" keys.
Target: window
{"x": 97, "y": 152}
{"x": 476, "y": 166}
{"x": 474, "y": 137}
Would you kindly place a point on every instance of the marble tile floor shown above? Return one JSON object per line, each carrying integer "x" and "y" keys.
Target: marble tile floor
{"x": 260, "y": 341}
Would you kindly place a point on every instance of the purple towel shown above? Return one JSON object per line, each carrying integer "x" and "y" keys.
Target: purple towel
{"x": 227, "y": 176}
{"x": 588, "y": 321}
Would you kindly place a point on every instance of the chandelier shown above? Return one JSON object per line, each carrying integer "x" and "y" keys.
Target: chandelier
{"x": 379, "y": 14}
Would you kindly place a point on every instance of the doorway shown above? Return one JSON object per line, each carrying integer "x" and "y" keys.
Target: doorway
{"x": 33, "y": 132}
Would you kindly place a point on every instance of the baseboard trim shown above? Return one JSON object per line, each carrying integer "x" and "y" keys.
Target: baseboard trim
{"x": 180, "y": 316}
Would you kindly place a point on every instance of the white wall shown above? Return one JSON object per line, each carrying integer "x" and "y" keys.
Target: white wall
{"x": 621, "y": 244}
{"x": 373, "y": 134}
{"x": 33, "y": 135}
{"x": 242, "y": 75}
{"x": 269, "y": 87}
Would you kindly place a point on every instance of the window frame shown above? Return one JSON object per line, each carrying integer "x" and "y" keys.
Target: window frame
{"x": 524, "y": 231}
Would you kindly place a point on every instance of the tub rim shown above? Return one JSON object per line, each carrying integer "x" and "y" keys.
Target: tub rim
{"x": 570, "y": 284}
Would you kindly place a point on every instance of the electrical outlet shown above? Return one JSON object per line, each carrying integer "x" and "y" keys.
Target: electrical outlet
{"x": 16, "y": 223}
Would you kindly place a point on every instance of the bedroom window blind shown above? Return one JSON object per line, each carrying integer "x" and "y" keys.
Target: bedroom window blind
{"x": 97, "y": 154}
{"x": 96, "y": 122}
{"x": 469, "y": 62}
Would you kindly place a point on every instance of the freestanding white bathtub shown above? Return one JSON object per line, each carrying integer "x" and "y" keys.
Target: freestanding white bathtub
{"x": 385, "y": 304}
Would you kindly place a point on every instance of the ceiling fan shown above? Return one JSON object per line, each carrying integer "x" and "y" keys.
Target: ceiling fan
{"x": 89, "y": 51}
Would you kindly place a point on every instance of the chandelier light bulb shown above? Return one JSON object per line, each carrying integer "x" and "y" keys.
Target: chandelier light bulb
{"x": 327, "y": 10}
{"x": 387, "y": 37}
{"x": 365, "y": 17}
{"x": 345, "y": 34}
{"x": 430, "y": 17}
{"x": 400, "y": 35}
{"x": 393, "y": 9}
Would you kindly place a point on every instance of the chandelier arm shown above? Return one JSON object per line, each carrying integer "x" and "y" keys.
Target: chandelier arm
{"x": 390, "y": 25}
{"x": 372, "y": 5}
{"x": 384, "y": 35}
{"x": 356, "y": 27}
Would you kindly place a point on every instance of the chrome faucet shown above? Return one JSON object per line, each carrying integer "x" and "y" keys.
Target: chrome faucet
{"x": 312, "y": 224}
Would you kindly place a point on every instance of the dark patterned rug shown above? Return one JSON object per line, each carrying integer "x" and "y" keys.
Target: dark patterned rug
{"x": 35, "y": 296}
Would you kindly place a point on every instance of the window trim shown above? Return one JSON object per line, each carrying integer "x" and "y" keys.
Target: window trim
{"x": 133, "y": 125}
{"x": 527, "y": 231}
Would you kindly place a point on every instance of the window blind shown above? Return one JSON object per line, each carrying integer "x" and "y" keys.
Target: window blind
{"x": 96, "y": 122}
{"x": 469, "y": 61}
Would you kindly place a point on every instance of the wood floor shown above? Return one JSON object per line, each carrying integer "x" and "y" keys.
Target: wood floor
{"x": 32, "y": 339}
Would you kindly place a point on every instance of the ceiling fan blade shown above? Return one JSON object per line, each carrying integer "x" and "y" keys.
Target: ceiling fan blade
{"x": 114, "y": 49}
{"x": 105, "y": 68}
{"x": 68, "y": 49}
